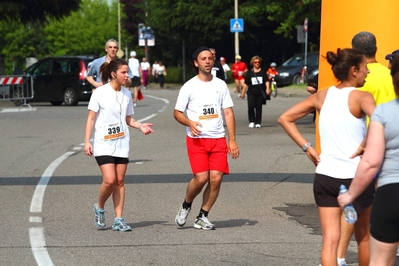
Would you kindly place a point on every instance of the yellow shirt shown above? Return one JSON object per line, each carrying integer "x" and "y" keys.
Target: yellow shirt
{"x": 379, "y": 84}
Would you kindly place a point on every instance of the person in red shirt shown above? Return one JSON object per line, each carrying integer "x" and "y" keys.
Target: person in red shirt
{"x": 271, "y": 73}
{"x": 239, "y": 69}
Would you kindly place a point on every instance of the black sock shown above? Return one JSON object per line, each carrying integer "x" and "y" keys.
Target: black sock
{"x": 186, "y": 205}
{"x": 202, "y": 213}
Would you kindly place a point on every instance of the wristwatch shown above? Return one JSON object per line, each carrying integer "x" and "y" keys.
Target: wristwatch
{"x": 306, "y": 146}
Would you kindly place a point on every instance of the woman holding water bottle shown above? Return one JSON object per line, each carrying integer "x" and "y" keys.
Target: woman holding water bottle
{"x": 342, "y": 110}
{"x": 381, "y": 155}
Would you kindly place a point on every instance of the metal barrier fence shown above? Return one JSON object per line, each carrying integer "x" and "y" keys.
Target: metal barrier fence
{"x": 16, "y": 88}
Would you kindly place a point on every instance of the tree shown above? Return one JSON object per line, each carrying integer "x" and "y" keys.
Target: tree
{"x": 31, "y": 13}
{"x": 36, "y": 11}
{"x": 269, "y": 31}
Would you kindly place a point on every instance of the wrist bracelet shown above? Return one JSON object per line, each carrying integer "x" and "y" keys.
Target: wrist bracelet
{"x": 86, "y": 140}
{"x": 140, "y": 126}
{"x": 306, "y": 146}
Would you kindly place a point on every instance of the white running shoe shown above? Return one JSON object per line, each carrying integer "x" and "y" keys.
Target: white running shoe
{"x": 258, "y": 126}
{"x": 204, "y": 223}
{"x": 251, "y": 125}
{"x": 181, "y": 216}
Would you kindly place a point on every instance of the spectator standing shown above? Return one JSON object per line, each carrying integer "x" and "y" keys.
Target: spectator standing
{"x": 155, "y": 71}
{"x": 134, "y": 66}
{"x": 110, "y": 110}
{"x": 381, "y": 159}
{"x": 255, "y": 87}
{"x": 342, "y": 110}
{"x": 225, "y": 67}
{"x": 161, "y": 70}
{"x": 94, "y": 76}
{"x": 217, "y": 69}
{"x": 145, "y": 69}
{"x": 239, "y": 69}
{"x": 205, "y": 100}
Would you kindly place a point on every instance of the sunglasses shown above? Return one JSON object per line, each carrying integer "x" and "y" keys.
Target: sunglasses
{"x": 256, "y": 62}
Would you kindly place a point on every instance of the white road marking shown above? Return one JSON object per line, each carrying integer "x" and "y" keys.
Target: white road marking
{"x": 15, "y": 110}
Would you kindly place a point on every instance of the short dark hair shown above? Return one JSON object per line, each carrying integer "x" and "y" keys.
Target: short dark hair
{"x": 366, "y": 43}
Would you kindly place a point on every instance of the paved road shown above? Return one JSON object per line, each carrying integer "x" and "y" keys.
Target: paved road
{"x": 265, "y": 214}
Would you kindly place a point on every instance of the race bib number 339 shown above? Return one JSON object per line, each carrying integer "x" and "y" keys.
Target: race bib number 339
{"x": 113, "y": 131}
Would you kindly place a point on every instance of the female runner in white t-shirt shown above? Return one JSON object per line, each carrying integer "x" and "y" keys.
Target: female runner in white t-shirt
{"x": 110, "y": 110}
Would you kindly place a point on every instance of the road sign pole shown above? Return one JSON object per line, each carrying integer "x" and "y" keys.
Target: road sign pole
{"x": 236, "y": 37}
{"x": 305, "y": 29}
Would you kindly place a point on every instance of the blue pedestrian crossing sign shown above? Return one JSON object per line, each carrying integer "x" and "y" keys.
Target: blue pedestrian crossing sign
{"x": 236, "y": 25}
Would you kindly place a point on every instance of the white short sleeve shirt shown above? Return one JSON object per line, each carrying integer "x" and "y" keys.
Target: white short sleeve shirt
{"x": 204, "y": 102}
{"x": 111, "y": 133}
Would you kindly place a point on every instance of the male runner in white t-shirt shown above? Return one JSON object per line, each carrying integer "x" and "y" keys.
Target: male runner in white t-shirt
{"x": 205, "y": 99}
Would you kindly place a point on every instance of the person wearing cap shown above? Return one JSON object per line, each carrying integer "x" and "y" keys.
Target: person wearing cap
{"x": 391, "y": 57}
{"x": 137, "y": 72}
{"x": 239, "y": 69}
{"x": 93, "y": 75}
{"x": 202, "y": 103}
{"x": 217, "y": 69}
{"x": 225, "y": 66}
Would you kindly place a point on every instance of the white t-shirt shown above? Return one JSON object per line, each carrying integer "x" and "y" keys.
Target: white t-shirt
{"x": 154, "y": 69}
{"x": 134, "y": 65}
{"x": 160, "y": 70}
{"x": 145, "y": 65}
{"x": 111, "y": 133}
{"x": 226, "y": 68}
{"x": 204, "y": 102}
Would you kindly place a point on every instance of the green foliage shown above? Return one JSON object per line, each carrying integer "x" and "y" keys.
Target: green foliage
{"x": 175, "y": 74}
{"x": 290, "y": 13}
{"x": 83, "y": 32}
{"x": 179, "y": 25}
{"x": 36, "y": 11}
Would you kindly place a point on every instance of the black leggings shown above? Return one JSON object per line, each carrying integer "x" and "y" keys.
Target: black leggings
{"x": 255, "y": 102}
{"x": 161, "y": 79}
{"x": 384, "y": 220}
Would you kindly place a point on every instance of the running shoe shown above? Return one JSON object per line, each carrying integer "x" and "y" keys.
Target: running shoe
{"x": 181, "y": 216}
{"x": 99, "y": 217}
{"x": 204, "y": 223}
{"x": 251, "y": 125}
{"x": 120, "y": 225}
{"x": 342, "y": 263}
{"x": 258, "y": 126}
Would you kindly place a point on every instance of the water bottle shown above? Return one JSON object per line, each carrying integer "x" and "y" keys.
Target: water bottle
{"x": 349, "y": 210}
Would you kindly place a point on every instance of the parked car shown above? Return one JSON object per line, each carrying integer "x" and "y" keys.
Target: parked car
{"x": 60, "y": 79}
{"x": 290, "y": 71}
